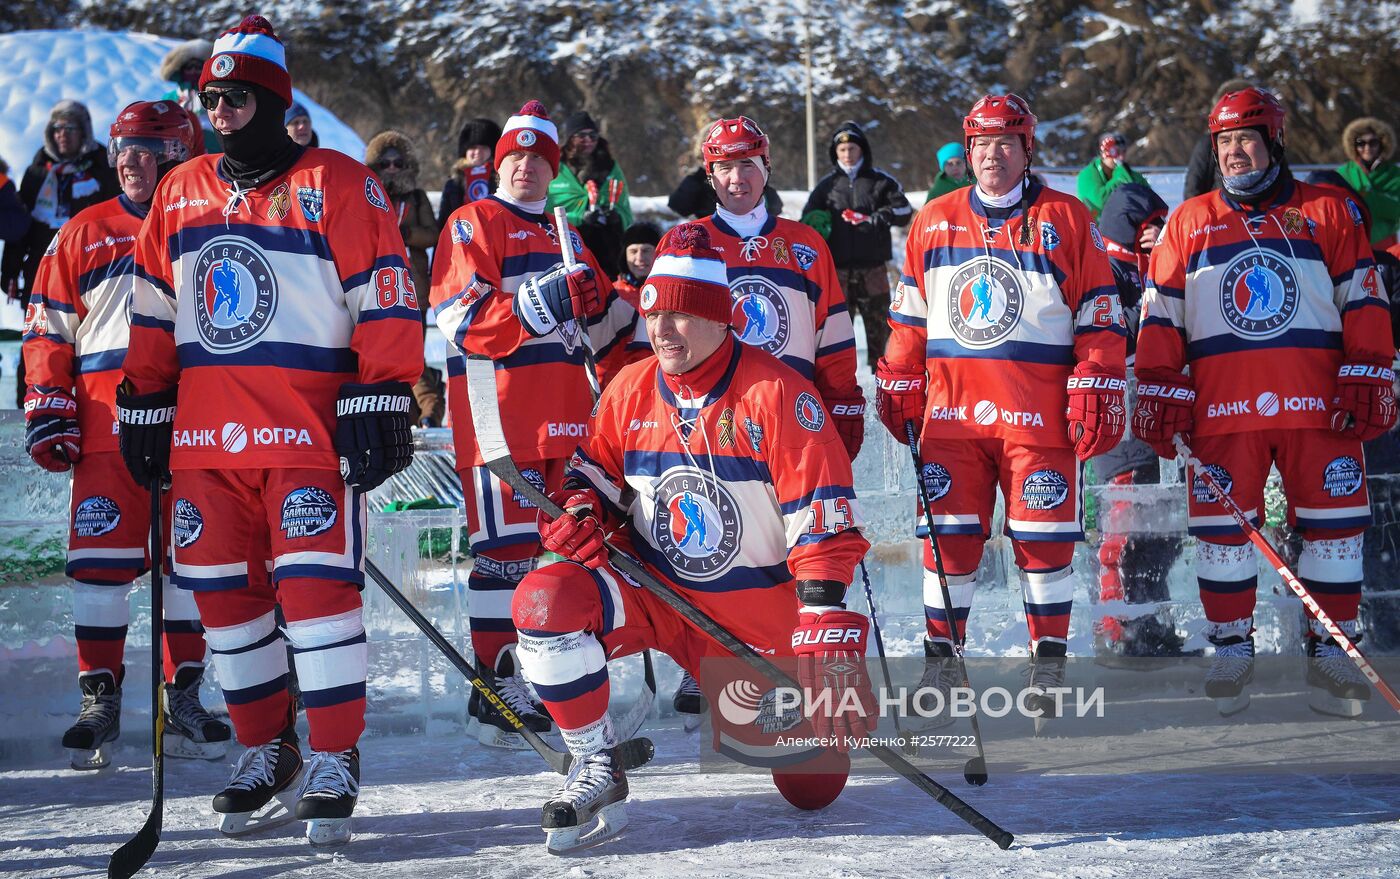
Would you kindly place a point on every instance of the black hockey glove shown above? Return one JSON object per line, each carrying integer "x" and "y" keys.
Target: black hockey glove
{"x": 373, "y": 432}
{"x": 146, "y": 425}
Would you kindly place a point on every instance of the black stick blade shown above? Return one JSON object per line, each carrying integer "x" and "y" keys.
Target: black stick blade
{"x": 135, "y": 852}
{"x": 975, "y": 772}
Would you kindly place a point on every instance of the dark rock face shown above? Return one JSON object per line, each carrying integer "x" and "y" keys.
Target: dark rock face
{"x": 652, "y": 73}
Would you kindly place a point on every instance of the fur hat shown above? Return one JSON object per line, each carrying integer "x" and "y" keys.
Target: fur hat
{"x": 688, "y": 276}
{"x": 252, "y": 53}
{"x": 1368, "y": 125}
{"x": 77, "y": 113}
{"x": 401, "y": 181}
{"x": 188, "y": 52}
{"x": 575, "y": 122}
{"x": 478, "y": 132}
{"x": 530, "y": 130}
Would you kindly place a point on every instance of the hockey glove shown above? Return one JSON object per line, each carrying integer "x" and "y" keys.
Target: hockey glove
{"x": 1364, "y": 406}
{"x": 51, "y": 428}
{"x": 373, "y": 431}
{"x": 1096, "y": 412}
{"x": 830, "y": 645}
{"x": 578, "y": 534}
{"x": 855, "y": 218}
{"x": 557, "y": 296}
{"x": 900, "y": 396}
{"x": 848, "y": 417}
{"x": 146, "y": 426}
{"x": 1165, "y": 407}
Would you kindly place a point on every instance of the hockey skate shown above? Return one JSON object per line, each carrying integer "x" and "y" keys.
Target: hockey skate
{"x": 1046, "y": 672}
{"x": 690, "y": 701}
{"x": 493, "y": 730}
{"x": 1231, "y": 670}
{"x": 925, "y": 711}
{"x": 1140, "y": 644}
{"x": 262, "y": 791}
{"x": 590, "y": 807}
{"x": 98, "y": 725}
{"x": 1335, "y": 685}
{"x": 190, "y": 731}
{"x": 328, "y": 795}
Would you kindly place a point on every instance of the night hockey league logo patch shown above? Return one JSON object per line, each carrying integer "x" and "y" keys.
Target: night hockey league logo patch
{"x": 187, "y": 522}
{"x": 535, "y": 478}
{"x": 221, "y": 66}
{"x": 478, "y": 190}
{"x": 937, "y": 480}
{"x": 313, "y": 203}
{"x": 985, "y": 303}
{"x": 1201, "y": 493}
{"x": 1044, "y": 490}
{"x": 648, "y": 297}
{"x": 810, "y": 413}
{"x": 1258, "y": 295}
{"x": 1343, "y": 477}
{"x": 462, "y": 232}
{"x": 374, "y": 194}
{"x": 308, "y": 511}
{"x": 236, "y": 294}
{"x": 96, "y": 516}
{"x": 760, "y": 314}
{"x": 697, "y": 525}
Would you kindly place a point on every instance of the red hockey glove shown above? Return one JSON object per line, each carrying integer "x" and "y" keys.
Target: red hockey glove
{"x": 578, "y": 534}
{"x": 830, "y": 647}
{"x": 1164, "y": 409}
{"x": 855, "y": 218}
{"x": 848, "y": 416}
{"x": 51, "y": 428}
{"x": 1096, "y": 412}
{"x": 901, "y": 395}
{"x": 1364, "y": 406}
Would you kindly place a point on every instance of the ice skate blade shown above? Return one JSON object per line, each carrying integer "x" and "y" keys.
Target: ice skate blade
{"x": 328, "y": 831}
{"x": 1041, "y": 723}
{"x": 1323, "y": 702}
{"x": 277, "y": 811}
{"x": 185, "y": 748}
{"x": 692, "y": 722}
{"x": 609, "y": 822}
{"x": 1228, "y": 705}
{"x": 91, "y": 760}
{"x": 495, "y": 737}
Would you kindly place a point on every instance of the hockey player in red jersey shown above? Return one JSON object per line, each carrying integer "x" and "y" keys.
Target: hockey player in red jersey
{"x": 1265, "y": 339}
{"x": 689, "y": 450}
{"x": 500, "y": 289}
{"x": 1007, "y": 351}
{"x": 75, "y": 337}
{"x": 275, "y": 336}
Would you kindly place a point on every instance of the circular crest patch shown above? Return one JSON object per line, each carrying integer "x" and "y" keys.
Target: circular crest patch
{"x": 648, "y": 297}
{"x": 525, "y": 137}
{"x": 937, "y": 480}
{"x": 697, "y": 525}
{"x": 221, "y": 66}
{"x": 235, "y": 294}
{"x": 1343, "y": 476}
{"x": 96, "y": 516}
{"x": 1201, "y": 492}
{"x": 1044, "y": 490}
{"x": 810, "y": 413}
{"x": 985, "y": 303}
{"x": 760, "y": 314}
{"x": 307, "y": 511}
{"x": 1258, "y": 295}
{"x": 188, "y": 523}
{"x": 478, "y": 190}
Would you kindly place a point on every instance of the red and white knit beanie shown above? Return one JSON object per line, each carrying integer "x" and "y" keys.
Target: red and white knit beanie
{"x": 530, "y": 130}
{"x": 250, "y": 52}
{"x": 688, "y": 276}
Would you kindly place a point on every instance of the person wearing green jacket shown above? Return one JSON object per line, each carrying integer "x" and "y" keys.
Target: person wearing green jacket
{"x": 952, "y": 171}
{"x": 1369, "y": 144}
{"x": 1106, "y": 172}
{"x": 592, "y": 188}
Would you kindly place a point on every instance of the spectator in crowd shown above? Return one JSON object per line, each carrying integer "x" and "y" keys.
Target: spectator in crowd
{"x": 14, "y": 216}
{"x": 1202, "y": 175}
{"x": 695, "y": 197}
{"x": 474, "y": 170}
{"x": 952, "y": 171}
{"x": 592, "y": 188}
{"x": 1369, "y": 144}
{"x": 1109, "y": 170}
{"x": 863, "y": 203}
{"x": 639, "y": 242}
{"x": 298, "y": 122}
{"x": 390, "y": 154}
{"x": 70, "y": 172}
{"x": 182, "y": 66}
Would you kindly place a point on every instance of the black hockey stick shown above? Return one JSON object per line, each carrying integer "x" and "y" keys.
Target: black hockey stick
{"x": 135, "y": 852}
{"x": 635, "y": 752}
{"x": 975, "y": 770}
{"x": 907, "y": 745}
{"x": 486, "y": 417}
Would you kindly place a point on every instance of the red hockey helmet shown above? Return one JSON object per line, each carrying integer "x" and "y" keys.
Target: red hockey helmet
{"x": 165, "y": 128}
{"x": 1248, "y": 108}
{"x": 731, "y": 139}
{"x": 1000, "y": 114}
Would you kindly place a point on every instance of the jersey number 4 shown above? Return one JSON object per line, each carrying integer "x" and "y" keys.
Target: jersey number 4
{"x": 394, "y": 286}
{"x": 830, "y": 516}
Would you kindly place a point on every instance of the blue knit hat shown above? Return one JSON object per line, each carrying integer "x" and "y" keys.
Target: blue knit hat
{"x": 296, "y": 110}
{"x": 948, "y": 151}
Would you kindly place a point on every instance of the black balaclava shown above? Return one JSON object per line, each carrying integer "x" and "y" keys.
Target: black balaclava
{"x": 262, "y": 149}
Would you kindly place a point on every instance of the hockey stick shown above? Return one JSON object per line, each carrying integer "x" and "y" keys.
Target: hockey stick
{"x": 486, "y": 416}
{"x": 566, "y": 249}
{"x": 135, "y": 852}
{"x": 635, "y": 752}
{"x": 906, "y": 744}
{"x": 975, "y": 770}
{"x": 1285, "y": 572}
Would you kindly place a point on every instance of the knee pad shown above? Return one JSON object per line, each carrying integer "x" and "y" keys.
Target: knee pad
{"x": 103, "y": 607}
{"x": 1331, "y": 560}
{"x": 816, "y": 783}
{"x": 179, "y": 603}
{"x": 561, "y": 597}
{"x": 1225, "y": 562}
{"x": 251, "y": 658}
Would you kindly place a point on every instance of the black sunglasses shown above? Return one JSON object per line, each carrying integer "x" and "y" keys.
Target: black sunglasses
{"x": 235, "y": 98}
{"x": 392, "y": 163}
{"x": 1363, "y": 142}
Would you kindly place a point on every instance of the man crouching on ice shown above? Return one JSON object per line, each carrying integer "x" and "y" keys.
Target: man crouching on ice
{"x": 717, "y": 466}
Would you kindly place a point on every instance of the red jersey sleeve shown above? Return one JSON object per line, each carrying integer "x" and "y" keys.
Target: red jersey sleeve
{"x": 468, "y": 301}
{"x": 51, "y": 322}
{"x": 908, "y": 342}
{"x": 1100, "y": 333}
{"x": 1161, "y": 341}
{"x": 1356, "y": 288}
{"x": 152, "y": 362}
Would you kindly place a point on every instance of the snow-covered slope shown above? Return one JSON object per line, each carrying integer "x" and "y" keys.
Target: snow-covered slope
{"x": 106, "y": 71}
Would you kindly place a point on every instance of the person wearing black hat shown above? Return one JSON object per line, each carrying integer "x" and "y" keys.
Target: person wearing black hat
{"x": 474, "y": 171}
{"x": 592, "y": 188}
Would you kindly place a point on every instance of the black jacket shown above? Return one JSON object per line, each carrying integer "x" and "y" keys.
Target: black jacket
{"x": 871, "y": 192}
{"x": 694, "y": 197}
{"x": 1202, "y": 174}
